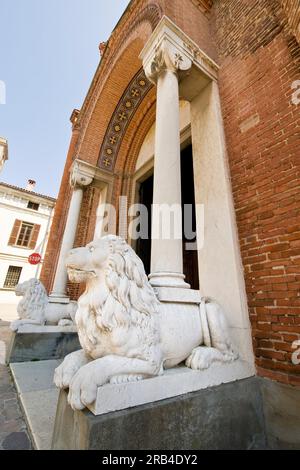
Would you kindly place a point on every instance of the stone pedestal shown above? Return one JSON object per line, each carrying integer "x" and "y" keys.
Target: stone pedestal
{"x": 282, "y": 415}
{"x": 175, "y": 382}
{"x": 41, "y": 343}
{"x": 229, "y": 416}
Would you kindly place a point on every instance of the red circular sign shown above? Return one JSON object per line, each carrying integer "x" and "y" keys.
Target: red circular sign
{"x": 35, "y": 258}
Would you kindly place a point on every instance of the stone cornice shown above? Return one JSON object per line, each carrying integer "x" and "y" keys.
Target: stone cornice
{"x": 26, "y": 212}
{"x": 84, "y": 174}
{"x": 182, "y": 49}
{"x": 30, "y": 195}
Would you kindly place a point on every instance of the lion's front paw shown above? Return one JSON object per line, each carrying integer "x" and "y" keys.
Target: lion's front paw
{"x": 84, "y": 385}
{"x": 66, "y": 371}
{"x": 64, "y": 374}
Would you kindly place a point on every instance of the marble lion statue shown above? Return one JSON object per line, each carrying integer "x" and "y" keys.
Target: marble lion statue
{"x": 34, "y": 308}
{"x": 126, "y": 334}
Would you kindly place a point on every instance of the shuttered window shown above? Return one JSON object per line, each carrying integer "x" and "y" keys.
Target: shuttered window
{"x": 34, "y": 236}
{"x": 15, "y": 232}
{"x": 24, "y": 234}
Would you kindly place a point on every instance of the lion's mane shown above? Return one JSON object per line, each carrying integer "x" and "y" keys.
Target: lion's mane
{"x": 129, "y": 301}
{"x": 130, "y": 295}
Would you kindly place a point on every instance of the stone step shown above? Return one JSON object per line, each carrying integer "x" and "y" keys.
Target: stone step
{"x": 38, "y": 396}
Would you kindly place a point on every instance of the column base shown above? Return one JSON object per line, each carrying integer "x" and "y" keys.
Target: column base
{"x": 58, "y": 299}
{"x": 165, "y": 279}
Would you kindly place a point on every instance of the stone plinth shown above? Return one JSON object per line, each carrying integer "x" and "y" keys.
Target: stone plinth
{"x": 175, "y": 382}
{"x": 225, "y": 417}
{"x": 282, "y": 415}
{"x": 40, "y": 343}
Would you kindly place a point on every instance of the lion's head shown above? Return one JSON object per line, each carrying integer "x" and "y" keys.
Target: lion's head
{"x": 34, "y": 299}
{"x": 118, "y": 290}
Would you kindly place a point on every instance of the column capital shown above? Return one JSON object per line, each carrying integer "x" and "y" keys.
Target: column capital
{"x": 169, "y": 48}
{"x": 165, "y": 51}
{"x": 81, "y": 174}
{"x": 166, "y": 57}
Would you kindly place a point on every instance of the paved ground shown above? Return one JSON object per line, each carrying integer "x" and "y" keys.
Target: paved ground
{"x": 13, "y": 430}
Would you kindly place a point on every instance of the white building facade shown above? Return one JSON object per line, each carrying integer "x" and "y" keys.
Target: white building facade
{"x": 25, "y": 221}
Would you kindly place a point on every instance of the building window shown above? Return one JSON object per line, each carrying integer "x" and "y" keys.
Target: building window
{"x": 33, "y": 205}
{"x": 25, "y": 234}
{"x": 12, "y": 277}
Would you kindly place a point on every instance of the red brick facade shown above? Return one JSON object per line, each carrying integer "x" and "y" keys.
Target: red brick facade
{"x": 255, "y": 44}
{"x": 258, "y": 66}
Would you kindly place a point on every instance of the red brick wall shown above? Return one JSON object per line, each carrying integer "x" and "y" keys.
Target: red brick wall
{"x": 259, "y": 60}
{"x": 291, "y": 9}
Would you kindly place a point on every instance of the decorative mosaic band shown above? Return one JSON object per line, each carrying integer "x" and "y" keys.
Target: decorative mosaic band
{"x": 131, "y": 99}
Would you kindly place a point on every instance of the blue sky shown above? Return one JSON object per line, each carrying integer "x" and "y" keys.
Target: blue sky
{"x": 48, "y": 56}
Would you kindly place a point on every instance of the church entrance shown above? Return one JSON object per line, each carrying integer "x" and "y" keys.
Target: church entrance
{"x": 189, "y": 237}
{"x": 190, "y": 255}
{"x": 143, "y": 245}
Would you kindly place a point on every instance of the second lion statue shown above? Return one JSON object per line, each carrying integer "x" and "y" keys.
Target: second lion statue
{"x": 35, "y": 309}
{"x": 126, "y": 334}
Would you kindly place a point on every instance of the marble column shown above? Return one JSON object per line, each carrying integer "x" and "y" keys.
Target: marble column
{"x": 167, "y": 252}
{"x": 77, "y": 181}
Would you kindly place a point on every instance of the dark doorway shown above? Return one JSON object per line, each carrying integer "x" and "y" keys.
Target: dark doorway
{"x": 190, "y": 253}
{"x": 143, "y": 246}
{"x": 190, "y": 257}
